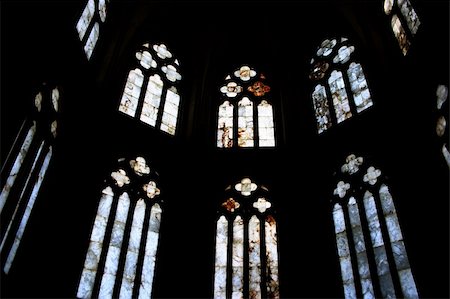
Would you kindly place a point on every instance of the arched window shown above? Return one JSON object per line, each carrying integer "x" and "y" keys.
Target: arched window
{"x": 246, "y": 263}
{"x": 24, "y": 170}
{"x": 340, "y": 87}
{"x": 151, "y": 89}
{"x": 404, "y": 21}
{"x": 370, "y": 245}
{"x": 88, "y": 26}
{"x": 441, "y": 123}
{"x": 120, "y": 260}
{"x": 245, "y": 113}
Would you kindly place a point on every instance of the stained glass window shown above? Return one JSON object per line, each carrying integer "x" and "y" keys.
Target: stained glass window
{"x": 25, "y": 170}
{"x": 89, "y": 24}
{"x": 339, "y": 82}
{"x": 442, "y": 130}
{"x": 368, "y": 221}
{"x": 404, "y": 22}
{"x": 246, "y": 228}
{"x": 150, "y": 91}
{"x": 245, "y": 113}
{"x": 123, "y": 197}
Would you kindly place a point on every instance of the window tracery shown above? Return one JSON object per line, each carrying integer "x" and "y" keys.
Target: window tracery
{"x": 116, "y": 260}
{"x": 370, "y": 245}
{"x": 246, "y": 229}
{"x": 341, "y": 89}
{"x": 245, "y": 113}
{"x": 151, "y": 88}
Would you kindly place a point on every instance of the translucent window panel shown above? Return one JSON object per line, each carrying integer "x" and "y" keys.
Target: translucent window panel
{"x": 360, "y": 248}
{"x": 91, "y": 41}
{"x": 384, "y": 274}
{"x": 151, "y": 245}
{"x": 22, "y": 196}
{"x": 326, "y": 47}
{"x": 102, "y": 9}
{"x": 254, "y": 258}
{"x": 146, "y": 59}
{"x": 272, "y": 258}
{"x": 115, "y": 244}
{"x": 86, "y": 18}
{"x": 321, "y": 108}
{"x": 27, "y": 212}
{"x": 130, "y": 97}
{"x": 388, "y": 6}
{"x": 265, "y": 125}
{"x": 220, "y": 273}
{"x": 170, "y": 112}
{"x": 358, "y": 84}
{"x": 343, "y": 54}
{"x": 398, "y": 247}
{"x": 441, "y": 95}
{"x": 152, "y": 100}
{"x": 446, "y": 154}
{"x": 339, "y": 95}
{"x": 237, "y": 259}
{"x": 225, "y": 125}
{"x": 95, "y": 245}
{"x": 16, "y": 166}
{"x": 410, "y": 15}
{"x": 343, "y": 252}
{"x": 245, "y": 123}
{"x": 129, "y": 272}
{"x": 400, "y": 34}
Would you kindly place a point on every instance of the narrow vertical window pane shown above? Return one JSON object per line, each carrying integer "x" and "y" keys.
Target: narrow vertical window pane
{"x": 225, "y": 125}
{"x": 28, "y": 210}
{"x": 320, "y": 103}
{"x": 400, "y": 34}
{"x": 265, "y": 124}
{"x": 129, "y": 101}
{"x": 343, "y": 252}
{"x": 446, "y": 154}
{"x": 412, "y": 20}
{"x": 16, "y": 166}
{"x": 85, "y": 19}
{"x": 92, "y": 40}
{"x": 272, "y": 258}
{"x": 112, "y": 257}
{"x": 398, "y": 247}
{"x": 22, "y": 197}
{"x": 360, "y": 248}
{"x": 129, "y": 273}
{"x": 237, "y": 261}
{"x": 220, "y": 275}
{"x": 148, "y": 268}
{"x": 95, "y": 245}
{"x": 170, "y": 112}
{"x": 102, "y": 9}
{"x": 384, "y": 274}
{"x": 254, "y": 257}
{"x": 152, "y": 100}
{"x": 245, "y": 123}
{"x": 339, "y": 95}
{"x": 358, "y": 84}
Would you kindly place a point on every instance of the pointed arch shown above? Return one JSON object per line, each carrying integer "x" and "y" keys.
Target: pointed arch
{"x": 112, "y": 266}
{"x": 25, "y": 169}
{"x": 151, "y": 90}
{"x": 340, "y": 87}
{"x": 90, "y": 23}
{"x": 404, "y": 22}
{"x": 370, "y": 222}
{"x": 246, "y": 233}
{"x": 245, "y": 113}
